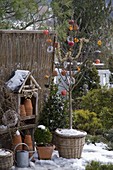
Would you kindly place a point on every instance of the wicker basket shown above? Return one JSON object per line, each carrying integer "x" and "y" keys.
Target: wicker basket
{"x": 6, "y": 161}
{"x": 69, "y": 146}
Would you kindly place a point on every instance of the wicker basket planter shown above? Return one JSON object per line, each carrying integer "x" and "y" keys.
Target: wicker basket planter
{"x": 6, "y": 161}
{"x": 70, "y": 146}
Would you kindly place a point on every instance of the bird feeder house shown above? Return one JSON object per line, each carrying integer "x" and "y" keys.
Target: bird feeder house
{"x": 23, "y": 84}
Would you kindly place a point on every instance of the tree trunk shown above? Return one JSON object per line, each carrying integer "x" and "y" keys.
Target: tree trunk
{"x": 70, "y": 109}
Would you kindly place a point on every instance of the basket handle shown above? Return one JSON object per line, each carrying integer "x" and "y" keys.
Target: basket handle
{"x": 21, "y": 144}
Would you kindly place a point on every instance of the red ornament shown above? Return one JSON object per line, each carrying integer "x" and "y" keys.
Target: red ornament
{"x": 45, "y": 32}
{"x": 71, "y": 43}
{"x": 97, "y": 61}
{"x": 71, "y": 22}
{"x": 63, "y": 92}
{"x": 63, "y": 72}
{"x": 56, "y": 44}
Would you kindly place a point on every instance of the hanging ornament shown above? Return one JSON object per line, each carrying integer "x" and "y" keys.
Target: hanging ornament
{"x": 65, "y": 64}
{"x": 45, "y": 32}
{"x": 63, "y": 72}
{"x": 71, "y": 22}
{"x": 63, "y": 92}
{"x": 50, "y": 49}
{"x": 49, "y": 40}
{"x": 71, "y": 43}
{"x": 97, "y": 61}
{"x": 70, "y": 27}
{"x": 76, "y": 40}
{"x": 56, "y": 44}
{"x": 71, "y": 80}
{"x": 78, "y": 68}
{"x": 99, "y": 42}
{"x": 46, "y": 76}
{"x": 69, "y": 38}
{"x": 76, "y": 27}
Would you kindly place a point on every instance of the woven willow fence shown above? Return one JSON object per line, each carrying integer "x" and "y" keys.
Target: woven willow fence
{"x": 26, "y": 50}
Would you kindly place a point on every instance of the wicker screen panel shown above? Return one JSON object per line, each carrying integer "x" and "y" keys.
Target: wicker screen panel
{"x": 26, "y": 50}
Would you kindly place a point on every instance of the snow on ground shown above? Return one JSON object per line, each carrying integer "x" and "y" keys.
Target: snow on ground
{"x": 97, "y": 152}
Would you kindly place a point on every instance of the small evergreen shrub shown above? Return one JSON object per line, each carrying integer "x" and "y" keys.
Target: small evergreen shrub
{"x": 54, "y": 114}
{"x": 106, "y": 116}
{"x": 42, "y": 135}
{"x": 100, "y": 102}
{"x": 87, "y": 121}
{"x": 94, "y": 165}
{"x": 109, "y": 137}
{"x": 95, "y": 139}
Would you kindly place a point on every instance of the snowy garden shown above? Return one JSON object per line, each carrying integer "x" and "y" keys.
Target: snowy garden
{"x": 91, "y": 152}
{"x": 56, "y": 86}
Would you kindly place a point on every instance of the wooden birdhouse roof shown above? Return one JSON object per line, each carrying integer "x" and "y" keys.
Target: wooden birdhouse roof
{"x": 21, "y": 79}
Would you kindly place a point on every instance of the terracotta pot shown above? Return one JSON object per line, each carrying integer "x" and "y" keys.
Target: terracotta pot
{"x": 29, "y": 142}
{"x": 45, "y": 152}
{"x": 28, "y": 107}
{"x": 16, "y": 140}
{"x": 22, "y": 110}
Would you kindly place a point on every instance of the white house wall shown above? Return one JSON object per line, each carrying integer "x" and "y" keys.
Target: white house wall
{"x": 104, "y": 77}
